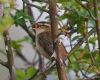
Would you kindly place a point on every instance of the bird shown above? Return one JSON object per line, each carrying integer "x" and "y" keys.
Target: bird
{"x": 44, "y": 43}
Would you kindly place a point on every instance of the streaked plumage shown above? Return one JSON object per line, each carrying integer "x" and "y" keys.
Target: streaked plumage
{"x": 44, "y": 43}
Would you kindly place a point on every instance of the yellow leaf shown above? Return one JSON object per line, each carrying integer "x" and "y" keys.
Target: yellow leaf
{"x": 6, "y": 23}
{"x": 11, "y": 2}
{"x": 3, "y": 1}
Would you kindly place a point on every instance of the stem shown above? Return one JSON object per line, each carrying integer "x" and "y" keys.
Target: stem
{"x": 86, "y": 9}
{"x": 29, "y": 9}
{"x": 28, "y": 32}
{"x": 42, "y": 75}
{"x": 80, "y": 69}
{"x": 31, "y": 14}
{"x": 38, "y": 7}
{"x": 87, "y": 45}
{"x": 95, "y": 2}
{"x": 54, "y": 32}
{"x": 81, "y": 41}
{"x": 19, "y": 53}
{"x": 9, "y": 56}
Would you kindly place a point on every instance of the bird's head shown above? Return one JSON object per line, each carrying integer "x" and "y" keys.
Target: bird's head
{"x": 39, "y": 28}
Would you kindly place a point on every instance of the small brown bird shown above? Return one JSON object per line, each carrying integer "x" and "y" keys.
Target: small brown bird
{"x": 44, "y": 42}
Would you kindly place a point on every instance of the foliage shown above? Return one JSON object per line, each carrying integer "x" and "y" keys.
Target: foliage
{"x": 20, "y": 18}
{"x": 5, "y": 21}
{"x": 80, "y": 19}
{"x": 25, "y": 74}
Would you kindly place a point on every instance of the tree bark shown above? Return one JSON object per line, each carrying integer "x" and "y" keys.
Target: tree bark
{"x": 54, "y": 32}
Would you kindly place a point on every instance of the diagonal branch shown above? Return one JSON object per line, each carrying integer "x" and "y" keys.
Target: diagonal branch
{"x": 81, "y": 41}
{"x": 96, "y": 12}
{"x": 92, "y": 16}
{"x": 42, "y": 75}
{"x": 38, "y": 7}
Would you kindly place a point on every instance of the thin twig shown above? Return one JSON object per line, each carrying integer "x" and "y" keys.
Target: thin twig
{"x": 91, "y": 56}
{"x": 39, "y": 16}
{"x": 96, "y": 12}
{"x": 80, "y": 68}
{"x": 10, "y": 59}
{"x": 81, "y": 41}
{"x": 19, "y": 53}
{"x": 38, "y": 7}
{"x": 87, "y": 70}
{"x": 86, "y": 9}
{"x": 42, "y": 75}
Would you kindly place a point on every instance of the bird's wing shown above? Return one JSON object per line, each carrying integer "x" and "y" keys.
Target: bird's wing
{"x": 45, "y": 41}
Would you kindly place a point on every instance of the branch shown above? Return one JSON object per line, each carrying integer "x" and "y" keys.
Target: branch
{"x": 86, "y": 9}
{"x": 25, "y": 28}
{"x": 87, "y": 45}
{"x": 29, "y": 32}
{"x": 81, "y": 41}
{"x": 54, "y": 32}
{"x": 95, "y": 77}
{"x": 80, "y": 68}
{"x": 42, "y": 75}
{"x": 42, "y": 9}
{"x": 19, "y": 53}
{"x": 96, "y": 12}
{"x": 9, "y": 55}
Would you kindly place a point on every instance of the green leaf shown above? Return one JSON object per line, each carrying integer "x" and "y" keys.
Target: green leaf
{"x": 24, "y": 39}
{"x": 91, "y": 22}
{"x": 16, "y": 45}
{"x": 30, "y": 71}
{"x": 75, "y": 66}
{"x": 3, "y": 1}
{"x": 27, "y": 17}
{"x": 20, "y": 74}
{"x": 20, "y": 21}
{"x": 64, "y": 16}
{"x": 20, "y": 18}
{"x": 92, "y": 40}
{"x": 68, "y": 68}
{"x": 6, "y": 22}
{"x": 76, "y": 37}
